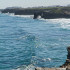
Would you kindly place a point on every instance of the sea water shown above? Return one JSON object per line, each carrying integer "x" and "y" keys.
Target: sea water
{"x": 27, "y": 43}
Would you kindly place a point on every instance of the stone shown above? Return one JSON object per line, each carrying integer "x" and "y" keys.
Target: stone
{"x": 67, "y": 60}
{"x": 68, "y": 67}
{"x": 38, "y": 68}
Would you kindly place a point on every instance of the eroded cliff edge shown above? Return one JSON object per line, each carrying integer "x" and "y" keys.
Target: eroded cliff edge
{"x": 43, "y": 12}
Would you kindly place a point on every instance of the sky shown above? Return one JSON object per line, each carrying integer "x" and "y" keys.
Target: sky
{"x": 31, "y": 3}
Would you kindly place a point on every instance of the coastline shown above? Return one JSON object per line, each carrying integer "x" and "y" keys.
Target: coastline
{"x": 43, "y": 12}
{"x": 62, "y": 68}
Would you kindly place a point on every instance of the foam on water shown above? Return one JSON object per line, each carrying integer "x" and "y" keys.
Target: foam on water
{"x": 25, "y": 16}
{"x": 64, "y": 23}
{"x": 29, "y": 67}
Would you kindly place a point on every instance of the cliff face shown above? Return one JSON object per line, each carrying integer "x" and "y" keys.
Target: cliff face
{"x": 54, "y": 15}
{"x": 25, "y": 12}
{"x": 50, "y": 15}
{"x": 9, "y": 10}
{"x": 29, "y": 11}
{"x": 46, "y": 13}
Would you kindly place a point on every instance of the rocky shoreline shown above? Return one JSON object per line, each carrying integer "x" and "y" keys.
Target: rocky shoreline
{"x": 46, "y": 13}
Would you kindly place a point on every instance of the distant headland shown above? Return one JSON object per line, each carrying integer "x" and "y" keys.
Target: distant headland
{"x": 44, "y": 12}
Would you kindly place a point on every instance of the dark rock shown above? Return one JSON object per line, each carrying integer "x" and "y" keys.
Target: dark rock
{"x": 39, "y": 68}
{"x": 68, "y": 67}
{"x": 24, "y": 12}
{"x": 51, "y": 15}
{"x": 28, "y": 12}
{"x": 46, "y": 13}
{"x": 37, "y": 14}
{"x": 9, "y": 10}
{"x": 67, "y": 63}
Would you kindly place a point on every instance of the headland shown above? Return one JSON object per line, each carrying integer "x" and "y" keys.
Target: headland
{"x": 43, "y": 12}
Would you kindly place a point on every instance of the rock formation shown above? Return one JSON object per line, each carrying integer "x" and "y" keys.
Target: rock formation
{"x": 51, "y": 15}
{"x": 67, "y": 63}
{"x": 37, "y": 14}
{"x": 44, "y": 12}
{"x": 38, "y": 68}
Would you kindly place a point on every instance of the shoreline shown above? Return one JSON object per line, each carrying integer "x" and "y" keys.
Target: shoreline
{"x": 45, "y": 13}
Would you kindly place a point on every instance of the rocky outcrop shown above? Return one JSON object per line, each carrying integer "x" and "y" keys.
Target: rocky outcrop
{"x": 29, "y": 11}
{"x": 25, "y": 12}
{"x": 11, "y": 9}
{"x": 67, "y": 63}
{"x": 51, "y": 15}
{"x": 37, "y": 14}
{"x": 38, "y": 68}
{"x": 45, "y": 12}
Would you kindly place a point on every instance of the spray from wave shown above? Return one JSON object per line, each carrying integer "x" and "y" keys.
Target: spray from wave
{"x": 64, "y": 23}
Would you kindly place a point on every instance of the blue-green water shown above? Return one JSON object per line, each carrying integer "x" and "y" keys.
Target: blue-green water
{"x": 25, "y": 41}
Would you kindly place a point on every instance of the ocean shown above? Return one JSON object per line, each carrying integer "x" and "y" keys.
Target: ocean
{"x": 28, "y": 43}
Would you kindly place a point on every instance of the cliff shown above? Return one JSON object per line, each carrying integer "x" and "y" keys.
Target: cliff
{"x": 44, "y": 12}
{"x": 51, "y": 15}
{"x": 11, "y": 9}
{"x": 26, "y": 12}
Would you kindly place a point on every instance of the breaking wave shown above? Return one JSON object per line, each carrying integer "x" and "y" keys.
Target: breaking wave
{"x": 29, "y": 67}
{"x": 63, "y": 23}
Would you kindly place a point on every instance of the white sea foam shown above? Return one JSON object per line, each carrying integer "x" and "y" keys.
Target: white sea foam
{"x": 49, "y": 59}
{"x": 41, "y": 59}
{"x": 29, "y": 67}
{"x": 63, "y": 22}
{"x": 26, "y": 16}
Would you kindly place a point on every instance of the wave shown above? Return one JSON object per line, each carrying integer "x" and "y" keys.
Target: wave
{"x": 63, "y": 22}
{"x": 41, "y": 59}
{"x": 26, "y": 16}
{"x": 29, "y": 67}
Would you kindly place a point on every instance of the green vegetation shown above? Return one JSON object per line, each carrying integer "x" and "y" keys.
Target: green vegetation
{"x": 60, "y": 9}
{"x": 32, "y": 10}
